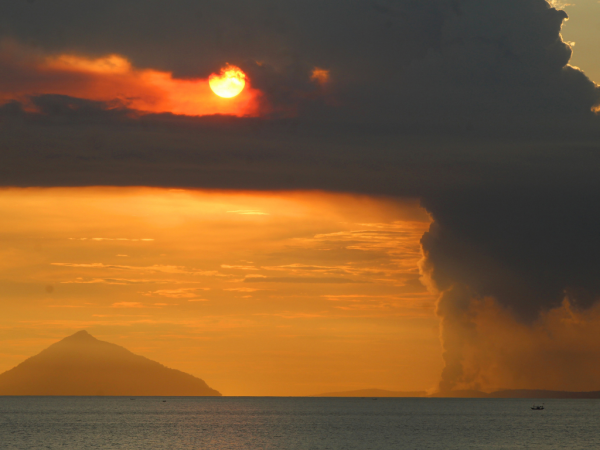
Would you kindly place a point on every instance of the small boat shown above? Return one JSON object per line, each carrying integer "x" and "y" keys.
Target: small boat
{"x": 537, "y": 407}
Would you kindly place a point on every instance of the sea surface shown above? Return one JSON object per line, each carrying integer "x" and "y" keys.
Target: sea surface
{"x": 174, "y": 423}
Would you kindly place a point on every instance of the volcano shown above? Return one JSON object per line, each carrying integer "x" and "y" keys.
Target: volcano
{"x": 80, "y": 364}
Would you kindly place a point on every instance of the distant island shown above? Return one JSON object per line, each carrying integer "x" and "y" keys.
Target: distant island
{"x": 81, "y": 365}
{"x": 373, "y": 393}
{"x": 505, "y": 393}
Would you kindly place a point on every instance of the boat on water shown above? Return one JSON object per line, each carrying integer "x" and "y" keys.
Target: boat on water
{"x": 537, "y": 407}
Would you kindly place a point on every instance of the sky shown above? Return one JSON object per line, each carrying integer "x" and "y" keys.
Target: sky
{"x": 259, "y": 294}
{"x": 581, "y": 28}
{"x": 402, "y": 196}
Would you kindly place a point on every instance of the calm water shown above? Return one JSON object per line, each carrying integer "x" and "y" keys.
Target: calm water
{"x": 295, "y": 423}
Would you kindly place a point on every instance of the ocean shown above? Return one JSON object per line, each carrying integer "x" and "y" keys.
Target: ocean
{"x": 175, "y": 423}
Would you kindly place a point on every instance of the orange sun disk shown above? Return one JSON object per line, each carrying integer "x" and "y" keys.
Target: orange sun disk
{"x": 229, "y": 82}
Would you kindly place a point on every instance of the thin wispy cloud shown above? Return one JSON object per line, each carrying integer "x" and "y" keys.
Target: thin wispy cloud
{"x": 99, "y": 239}
{"x": 244, "y": 289}
{"x": 157, "y": 268}
{"x": 115, "y": 281}
{"x": 311, "y": 280}
{"x": 227, "y": 266}
{"x": 249, "y": 212}
{"x": 175, "y": 293}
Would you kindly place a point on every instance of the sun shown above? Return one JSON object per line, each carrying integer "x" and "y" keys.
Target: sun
{"x": 229, "y": 82}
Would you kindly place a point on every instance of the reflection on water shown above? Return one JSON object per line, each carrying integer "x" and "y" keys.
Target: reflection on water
{"x": 294, "y": 423}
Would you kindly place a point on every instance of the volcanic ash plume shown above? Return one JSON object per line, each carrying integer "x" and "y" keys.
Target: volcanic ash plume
{"x": 518, "y": 284}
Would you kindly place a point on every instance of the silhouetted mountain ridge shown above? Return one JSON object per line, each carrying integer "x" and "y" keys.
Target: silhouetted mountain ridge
{"x": 374, "y": 393}
{"x": 541, "y": 393}
{"x": 80, "y": 364}
{"x": 504, "y": 393}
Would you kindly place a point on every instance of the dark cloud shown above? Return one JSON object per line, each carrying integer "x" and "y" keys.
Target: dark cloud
{"x": 421, "y": 64}
{"x": 80, "y": 142}
{"x": 467, "y": 104}
{"x": 527, "y": 249}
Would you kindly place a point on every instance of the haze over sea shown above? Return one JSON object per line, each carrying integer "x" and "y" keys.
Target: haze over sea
{"x": 294, "y": 423}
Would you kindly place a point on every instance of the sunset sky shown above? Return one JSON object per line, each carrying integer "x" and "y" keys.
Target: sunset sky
{"x": 279, "y": 294}
{"x": 289, "y": 198}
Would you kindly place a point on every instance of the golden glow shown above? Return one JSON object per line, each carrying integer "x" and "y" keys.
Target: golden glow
{"x": 229, "y": 82}
{"x": 113, "y": 77}
{"x": 506, "y": 352}
{"x": 320, "y": 75}
{"x": 111, "y": 64}
{"x": 258, "y": 294}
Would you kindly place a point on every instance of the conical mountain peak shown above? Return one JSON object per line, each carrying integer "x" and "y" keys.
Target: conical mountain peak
{"x": 82, "y": 336}
{"x": 80, "y": 364}
{"x": 81, "y": 333}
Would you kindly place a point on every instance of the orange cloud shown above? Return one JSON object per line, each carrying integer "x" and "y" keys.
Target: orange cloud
{"x": 320, "y": 75}
{"x": 487, "y": 349}
{"x": 113, "y": 77}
